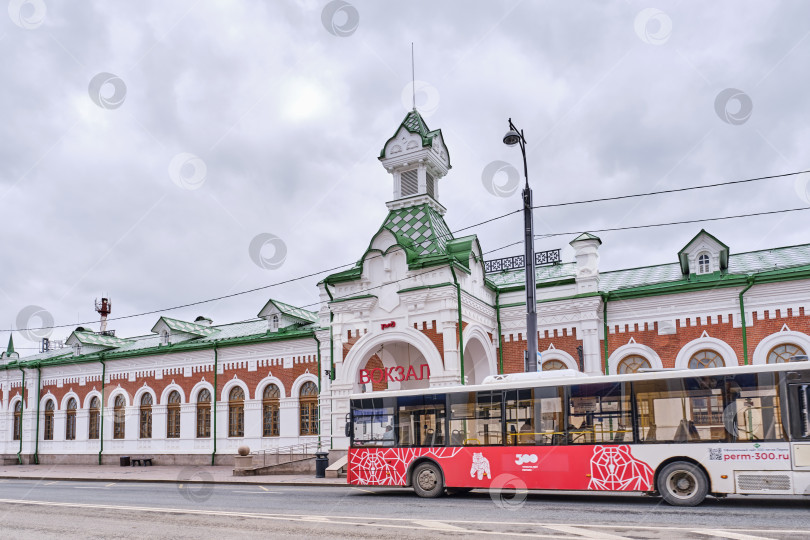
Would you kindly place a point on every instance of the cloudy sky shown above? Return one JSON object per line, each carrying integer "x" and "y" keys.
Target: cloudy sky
{"x": 147, "y": 145}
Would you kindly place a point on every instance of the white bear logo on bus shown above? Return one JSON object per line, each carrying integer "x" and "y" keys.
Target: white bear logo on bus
{"x": 480, "y": 466}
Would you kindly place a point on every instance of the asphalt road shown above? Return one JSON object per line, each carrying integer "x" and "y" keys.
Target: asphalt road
{"x": 62, "y": 509}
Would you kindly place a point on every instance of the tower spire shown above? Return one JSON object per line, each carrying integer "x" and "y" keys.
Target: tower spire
{"x": 10, "y": 349}
{"x": 413, "y": 78}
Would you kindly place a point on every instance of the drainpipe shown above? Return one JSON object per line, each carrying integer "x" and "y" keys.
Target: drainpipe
{"x": 214, "y": 410}
{"x": 460, "y": 337}
{"x": 500, "y": 343}
{"x": 331, "y": 336}
{"x": 36, "y": 439}
{"x": 742, "y": 319}
{"x": 22, "y": 410}
{"x": 101, "y": 408}
{"x": 605, "y": 327}
{"x": 318, "y": 344}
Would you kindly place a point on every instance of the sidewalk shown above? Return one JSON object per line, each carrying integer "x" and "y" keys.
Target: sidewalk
{"x": 158, "y": 473}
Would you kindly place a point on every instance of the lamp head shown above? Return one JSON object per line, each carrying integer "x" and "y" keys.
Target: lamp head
{"x": 511, "y": 138}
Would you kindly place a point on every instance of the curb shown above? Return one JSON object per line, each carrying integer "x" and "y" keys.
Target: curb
{"x": 164, "y": 481}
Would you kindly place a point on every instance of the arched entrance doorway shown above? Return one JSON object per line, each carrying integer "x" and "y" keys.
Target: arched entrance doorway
{"x": 395, "y": 365}
{"x": 395, "y": 359}
{"x": 479, "y": 358}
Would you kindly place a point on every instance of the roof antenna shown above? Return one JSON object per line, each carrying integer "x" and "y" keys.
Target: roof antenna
{"x": 413, "y": 78}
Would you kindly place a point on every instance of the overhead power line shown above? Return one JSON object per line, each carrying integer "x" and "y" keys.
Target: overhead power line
{"x": 684, "y": 222}
{"x": 674, "y": 190}
{"x": 490, "y": 220}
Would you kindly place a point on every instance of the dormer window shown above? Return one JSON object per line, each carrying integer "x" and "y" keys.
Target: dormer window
{"x": 77, "y": 349}
{"x": 274, "y": 323}
{"x": 164, "y": 337}
{"x": 704, "y": 263}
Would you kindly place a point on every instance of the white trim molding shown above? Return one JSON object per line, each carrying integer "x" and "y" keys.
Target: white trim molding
{"x": 696, "y": 345}
{"x": 636, "y": 349}
{"x": 765, "y": 346}
{"x": 557, "y": 354}
{"x": 271, "y": 380}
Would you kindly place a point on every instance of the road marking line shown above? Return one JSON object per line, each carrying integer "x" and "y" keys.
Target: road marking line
{"x": 584, "y": 533}
{"x": 730, "y": 535}
{"x": 365, "y": 490}
{"x": 264, "y": 488}
{"x": 364, "y": 522}
{"x": 110, "y": 485}
{"x": 50, "y": 483}
{"x": 438, "y": 525}
{"x": 88, "y": 487}
{"x": 265, "y": 492}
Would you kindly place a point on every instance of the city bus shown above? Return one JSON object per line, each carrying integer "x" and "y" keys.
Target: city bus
{"x": 679, "y": 434}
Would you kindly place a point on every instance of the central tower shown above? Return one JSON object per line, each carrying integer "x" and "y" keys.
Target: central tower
{"x": 417, "y": 158}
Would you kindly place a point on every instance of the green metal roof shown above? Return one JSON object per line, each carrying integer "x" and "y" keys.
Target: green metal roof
{"x": 177, "y": 325}
{"x": 91, "y": 338}
{"x": 739, "y": 264}
{"x": 10, "y": 349}
{"x": 420, "y": 228}
{"x": 414, "y": 123}
{"x": 295, "y": 312}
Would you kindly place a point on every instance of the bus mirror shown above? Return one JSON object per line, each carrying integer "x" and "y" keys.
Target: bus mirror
{"x": 348, "y": 428}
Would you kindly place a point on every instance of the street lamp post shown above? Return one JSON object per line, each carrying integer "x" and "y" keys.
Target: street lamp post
{"x": 513, "y": 137}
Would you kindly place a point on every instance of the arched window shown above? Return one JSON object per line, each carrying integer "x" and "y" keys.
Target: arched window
{"x": 164, "y": 337}
{"x": 18, "y": 420}
{"x": 95, "y": 410}
{"x": 631, "y": 364}
{"x": 204, "y": 413}
{"x": 70, "y": 420}
{"x": 146, "y": 416}
{"x": 236, "y": 413}
{"x": 119, "y": 414}
{"x": 48, "y": 436}
{"x": 270, "y": 411}
{"x": 173, "y": 416}
{"x": 706, "y": 359}
{"x": 275, "y": 322}
{"x": 704, "y": 263}
{"x": 783, "y": 353}
{"x": 308, "y": 403}
{"x": 553, "y": 365}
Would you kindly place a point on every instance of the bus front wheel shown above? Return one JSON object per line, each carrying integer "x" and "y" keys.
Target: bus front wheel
{"x": 683, "y": 484}
{"x": 427, "y": 480}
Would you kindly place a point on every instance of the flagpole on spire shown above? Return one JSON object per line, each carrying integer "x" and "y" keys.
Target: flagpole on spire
{"x": 413, "y": 78}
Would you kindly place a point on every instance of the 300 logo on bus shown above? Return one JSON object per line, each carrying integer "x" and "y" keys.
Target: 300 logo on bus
{"x": 520, "y": 459}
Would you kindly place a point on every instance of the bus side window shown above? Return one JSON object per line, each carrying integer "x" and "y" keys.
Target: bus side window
{"x": 801, "y": 419}
{"x": 753, "y": 408}
{"x": 535, "y": 417}
{"x": 600, "y": 413}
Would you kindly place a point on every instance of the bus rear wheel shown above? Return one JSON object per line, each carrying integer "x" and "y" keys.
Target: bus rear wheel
{"x": 683, "y": 484}
{"x": 427, "y": 480}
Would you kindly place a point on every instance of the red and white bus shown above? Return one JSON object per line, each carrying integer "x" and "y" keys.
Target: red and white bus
{"x": 682, "y": 434}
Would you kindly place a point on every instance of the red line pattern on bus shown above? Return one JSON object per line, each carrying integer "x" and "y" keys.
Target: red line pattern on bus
{"x": 613, "y": 468}
{"x": 388, "y": 466}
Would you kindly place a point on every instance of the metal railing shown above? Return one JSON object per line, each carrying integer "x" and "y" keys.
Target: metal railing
{"x": 285, "y": 454}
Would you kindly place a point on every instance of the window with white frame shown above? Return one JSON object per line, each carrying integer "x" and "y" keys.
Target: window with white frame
{"x": 164, "y": 337}
{"x": 704, "y": 263}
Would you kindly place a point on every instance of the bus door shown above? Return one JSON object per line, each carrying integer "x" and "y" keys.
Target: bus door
{"x": 421, "y": 420}
{"x": 799, "y": 400}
